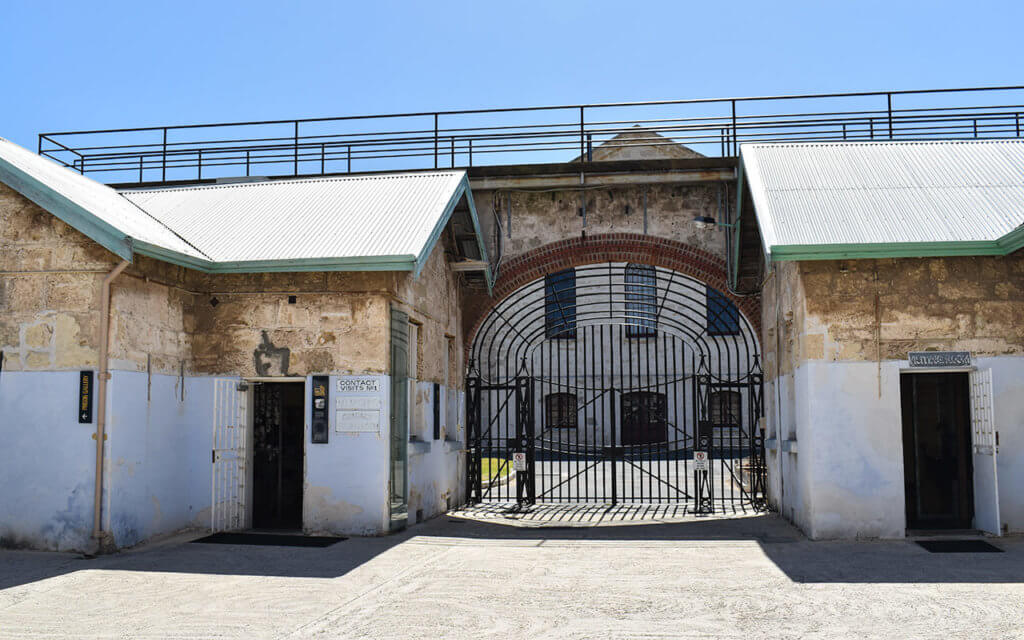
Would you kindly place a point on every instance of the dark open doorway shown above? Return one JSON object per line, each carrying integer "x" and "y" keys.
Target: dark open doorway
{"x": 278, "y": 427}
{"x": 937, "y": 450}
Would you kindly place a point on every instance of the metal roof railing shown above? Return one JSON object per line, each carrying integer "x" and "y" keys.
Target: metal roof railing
{"x": 526, "y": 135}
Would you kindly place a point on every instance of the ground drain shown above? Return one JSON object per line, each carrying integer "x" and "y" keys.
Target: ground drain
{"x": 269, "y": 540}
{"x": 958, "y": 546}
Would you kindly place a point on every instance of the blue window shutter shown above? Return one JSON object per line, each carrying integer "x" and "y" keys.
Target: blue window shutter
{"x": 723, "y": 316}
{"x": 560, "y": 304}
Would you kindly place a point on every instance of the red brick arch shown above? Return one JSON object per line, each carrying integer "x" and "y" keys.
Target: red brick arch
{"x": 615, "y": 247}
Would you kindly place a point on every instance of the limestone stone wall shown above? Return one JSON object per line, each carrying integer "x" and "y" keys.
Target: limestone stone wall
{"x": 542, "y": 217}
{"x": 868, "y": 310}
{"x": 168, "y": 319}
{"x": 295, "y": 324}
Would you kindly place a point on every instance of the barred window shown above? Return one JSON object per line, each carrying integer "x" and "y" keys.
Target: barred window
{"x": 723, "y": 316}
{"x": 560, "y": 304}
{"x": 560, "y": 410}
{"x": 641, "y": 301}
{"x": 726, "y": 408}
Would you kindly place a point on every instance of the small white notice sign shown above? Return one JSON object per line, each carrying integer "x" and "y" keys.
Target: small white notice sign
{"x": 519, "y": 461}
{"x": 358, "y": 385}
{"x": 357, "y": 421}
{"x": 357, "y": 403}
{"x": 700, "y": 460}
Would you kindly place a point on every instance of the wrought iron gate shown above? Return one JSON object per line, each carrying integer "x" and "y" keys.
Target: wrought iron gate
{"x": 616, "y": 383}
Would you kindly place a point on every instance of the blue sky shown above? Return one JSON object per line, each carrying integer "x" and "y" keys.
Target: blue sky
{"x": 73, "y": 65}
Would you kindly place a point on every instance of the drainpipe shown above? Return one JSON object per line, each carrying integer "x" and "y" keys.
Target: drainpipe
{"x": 101, "y": 402}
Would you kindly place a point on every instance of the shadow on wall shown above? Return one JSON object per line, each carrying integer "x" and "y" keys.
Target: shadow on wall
{"x": 799, "y": 559}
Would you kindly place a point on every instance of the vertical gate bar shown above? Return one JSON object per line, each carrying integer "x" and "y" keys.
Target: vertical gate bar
{"x": 648, "y": 449}
{"x": 602, "y": 402}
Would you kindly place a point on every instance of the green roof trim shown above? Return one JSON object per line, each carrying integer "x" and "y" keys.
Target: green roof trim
{"x": 1003, "y": 246}
{"x": 361, "y": 263}
{"x": 462, "y": 190}
{"x": 104, "y": 234}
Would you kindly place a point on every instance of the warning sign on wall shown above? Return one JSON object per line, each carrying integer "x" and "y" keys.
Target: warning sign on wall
{"x": 700, "y": 460}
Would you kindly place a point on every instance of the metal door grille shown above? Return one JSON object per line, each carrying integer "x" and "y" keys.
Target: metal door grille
{"x": 643, "y": 365}
{"x": 227, "y": 508}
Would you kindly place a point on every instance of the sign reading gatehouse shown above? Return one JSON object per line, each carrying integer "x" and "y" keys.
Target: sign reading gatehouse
{"x": 940, "y": 358}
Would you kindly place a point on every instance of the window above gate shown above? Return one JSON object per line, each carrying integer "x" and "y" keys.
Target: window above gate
{"x": 641, "y": 301}
{"x": 723, "y": 316}
{"x": 561, "y": 411}
{"x": 560, "y": 305}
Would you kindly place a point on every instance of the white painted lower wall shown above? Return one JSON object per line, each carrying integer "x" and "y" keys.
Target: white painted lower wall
{"x": 47, "y": 462}
{"x": 346, "y": 487}
{"x": 843, "y": 475}
{"x": 437, "y": 467}
{"x": 158, "y": 471}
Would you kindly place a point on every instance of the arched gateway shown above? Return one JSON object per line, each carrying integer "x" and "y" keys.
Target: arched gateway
{"x": 616, "y": 382}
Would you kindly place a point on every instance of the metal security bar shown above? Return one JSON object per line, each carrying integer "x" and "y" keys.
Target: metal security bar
{"x": 609, "y": 395}
{"x": 525, "y": 135}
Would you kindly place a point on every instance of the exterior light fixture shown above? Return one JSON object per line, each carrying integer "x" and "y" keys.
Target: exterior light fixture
{"x": 707, "y": 222}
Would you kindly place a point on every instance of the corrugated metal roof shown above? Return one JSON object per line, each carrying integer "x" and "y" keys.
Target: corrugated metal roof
{"x": 72, "y": 197}
{"x": 391, "y": 215}
{"x": 885, "y": 193}
{"x": 368, "y": 222}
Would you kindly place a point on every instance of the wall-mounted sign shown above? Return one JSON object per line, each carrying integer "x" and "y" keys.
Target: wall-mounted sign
{"x": 85, "y": 397}
{"x": 355, "y": 421}
{"x": 358, "y": 385}
{"x": 940, "y": 358}
{"x": 320, "y": 390}
{"x": 700, "y": 461}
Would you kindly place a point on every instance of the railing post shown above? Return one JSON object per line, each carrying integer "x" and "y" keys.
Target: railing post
{"x": 735, "y": 138}
{"x": 871, "y": 128}
{"x": 452, "y": 140}
{"x": 200, "y": 163}
{"x": 82, "y": 168}
{"x": 163, "y": 163}
{"x": 888, "y": 98}
{"x": 975, "y": 127}
{"x": 140, "y": 169}
{"x": 296, "y": 161}
{"x": 322, "y": 158}
{"x": 582, "y": 143}
{"x": 1016, "y": 118}
{"x": 435, "y": 140}
{"x": 471, "y": 150}
{"x": 590, "y": 147}
{"x": 844, "y": 131}
{"x": 349, "y": 159}
{"x": 39, "y": 150}
{"x": 247, "y": 151}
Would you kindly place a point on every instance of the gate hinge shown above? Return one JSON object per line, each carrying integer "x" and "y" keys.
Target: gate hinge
{"x": 213, "y": 456}
{"x": 243, "y": 386}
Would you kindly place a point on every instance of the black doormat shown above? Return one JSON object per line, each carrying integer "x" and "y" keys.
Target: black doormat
{"x": 958, "y": 546}
{"x": 269, "y": 539}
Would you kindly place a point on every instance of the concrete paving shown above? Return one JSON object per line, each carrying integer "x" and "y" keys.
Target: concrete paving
{"x": 466, "y": 577}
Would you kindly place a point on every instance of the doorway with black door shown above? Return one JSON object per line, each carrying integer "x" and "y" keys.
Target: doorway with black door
{"x": 278, "y": 437}
{"x": 937, "y": 469}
